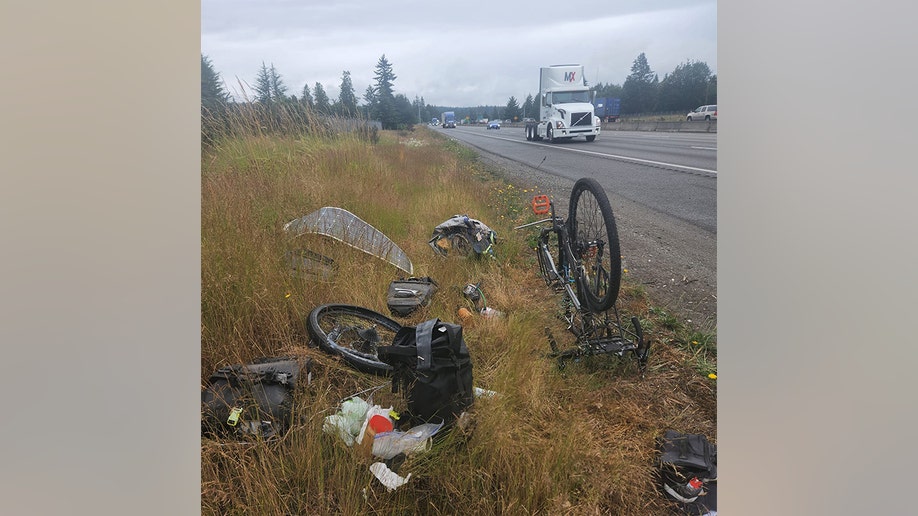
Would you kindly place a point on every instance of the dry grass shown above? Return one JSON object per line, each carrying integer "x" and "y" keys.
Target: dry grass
{"x": 577, "y": 442}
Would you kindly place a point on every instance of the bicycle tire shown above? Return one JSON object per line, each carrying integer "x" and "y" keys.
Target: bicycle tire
{"x": 590, "y": 220}
{"x": 335, "y": 328}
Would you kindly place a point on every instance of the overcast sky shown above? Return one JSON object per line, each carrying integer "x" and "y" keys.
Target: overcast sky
{"x": 451, "y": 53}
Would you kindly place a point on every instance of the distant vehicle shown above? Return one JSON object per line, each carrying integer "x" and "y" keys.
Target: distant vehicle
{"x": 434, "y": 121}
{"x": 527, "y": 120}
{"x": 608, "y": 109}
{"x": 494, "y": 124}
{"x": 708, "y": 112}
{"x": 448, "y": 119}
{"x": 565, "y": 108}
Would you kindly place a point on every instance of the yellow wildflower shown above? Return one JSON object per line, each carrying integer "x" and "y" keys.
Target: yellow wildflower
{"x": 712, "y": 376}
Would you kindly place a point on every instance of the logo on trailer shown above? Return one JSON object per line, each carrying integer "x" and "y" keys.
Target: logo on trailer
{"x": 569, "y": 76}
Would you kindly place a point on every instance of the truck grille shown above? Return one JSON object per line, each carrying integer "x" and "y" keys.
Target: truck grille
{"x": 578, "y": 119}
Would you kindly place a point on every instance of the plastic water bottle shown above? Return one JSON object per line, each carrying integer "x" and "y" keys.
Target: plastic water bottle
{"x": 490, "y": 312}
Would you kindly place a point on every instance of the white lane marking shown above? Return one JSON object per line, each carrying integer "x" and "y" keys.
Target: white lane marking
{"x": 626, "y": 158}
{"x": 704, "y": 148}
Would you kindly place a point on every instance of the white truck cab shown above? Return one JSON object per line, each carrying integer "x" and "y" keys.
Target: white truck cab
{"x": 565, "y": 106}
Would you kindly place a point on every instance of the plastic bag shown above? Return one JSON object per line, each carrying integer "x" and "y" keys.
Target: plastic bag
{"x": 415, "y": 440}
{"x": 387, "y": 477}
{"x": 348, "y": 422}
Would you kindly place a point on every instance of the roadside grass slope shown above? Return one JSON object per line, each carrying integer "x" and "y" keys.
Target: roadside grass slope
{"x": 579, "y": 441}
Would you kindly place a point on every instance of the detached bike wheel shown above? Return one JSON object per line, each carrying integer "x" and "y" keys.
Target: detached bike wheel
{"x": 594, "y": 241}
{"x": 354, "y": 333}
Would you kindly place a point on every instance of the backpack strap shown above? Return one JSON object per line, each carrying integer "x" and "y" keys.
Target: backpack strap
{"x": 424, "y": 335}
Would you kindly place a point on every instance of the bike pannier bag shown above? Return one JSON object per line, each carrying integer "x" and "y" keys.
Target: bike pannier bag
{"x": 253, "y": 400}
{"x": 406, "y": 295}
{"x": 688, "y": 466}
{"x": 432, "y": 364}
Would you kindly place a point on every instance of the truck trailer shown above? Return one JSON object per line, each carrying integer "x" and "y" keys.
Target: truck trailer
{"x": 608, "y": 109}
{"x": 565, "y": 106}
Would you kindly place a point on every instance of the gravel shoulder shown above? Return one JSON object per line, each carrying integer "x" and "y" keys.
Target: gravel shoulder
{"x": 673, "y": 260}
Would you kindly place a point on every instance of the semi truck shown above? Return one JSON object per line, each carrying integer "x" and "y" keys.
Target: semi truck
{"x": 565, "y": 106}
{"x": 448, "y": 119}
{"x": 608, "y": 109}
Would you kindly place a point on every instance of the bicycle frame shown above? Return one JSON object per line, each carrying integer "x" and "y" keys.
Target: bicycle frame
{"x": 594, "y": 334}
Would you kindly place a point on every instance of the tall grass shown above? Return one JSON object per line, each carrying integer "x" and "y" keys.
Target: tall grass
{"x": 579, "y": 441}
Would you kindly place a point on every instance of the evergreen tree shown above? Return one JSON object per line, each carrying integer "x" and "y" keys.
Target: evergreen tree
{"x": 639, "y": 93}
{"x": 405, "y": 114}
{"x": 384, "y": 108}
{"x": 686, "y": 88}
{"x": 530, "y": 108}
{"x": 214, "y": 100}
{"x": 347, "y": 99}
{"x": 369, "y": 96}
{"x": 306, "y": 97}
{"x": 322, "y": 103}
{"x": 263, "y": 85}
{"x": 278, "y": 89}
{"x": 512, "y": 111}
{"x": 608, "y": 90}
{"x": 213, "y": 96}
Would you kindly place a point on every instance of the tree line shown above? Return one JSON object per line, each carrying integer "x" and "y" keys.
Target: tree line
{"x": 691, "y": 84}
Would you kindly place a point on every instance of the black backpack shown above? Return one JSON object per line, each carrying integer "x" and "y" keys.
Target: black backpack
{"x": 253, "y": 400}
{"x": 432, "y": 363}
{"x": 687, "y": 460}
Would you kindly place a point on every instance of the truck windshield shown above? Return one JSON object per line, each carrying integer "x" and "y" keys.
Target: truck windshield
{"x": 565, "y": 97}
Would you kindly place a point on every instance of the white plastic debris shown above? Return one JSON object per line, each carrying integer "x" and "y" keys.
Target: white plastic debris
{"x": 387, "y": 477}
{"x": 482, "y": 393}
{"x": 347, "y": 422}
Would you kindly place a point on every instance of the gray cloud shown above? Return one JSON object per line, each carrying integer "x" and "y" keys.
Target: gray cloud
{"x": 476, "y": 53}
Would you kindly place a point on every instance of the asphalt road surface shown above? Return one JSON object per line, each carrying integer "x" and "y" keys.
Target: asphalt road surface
{"x": 663, "y": 190}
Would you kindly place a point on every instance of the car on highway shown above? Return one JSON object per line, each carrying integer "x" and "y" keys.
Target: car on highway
{"x": 708, "y": 112}
{"x": 494, "y": 124}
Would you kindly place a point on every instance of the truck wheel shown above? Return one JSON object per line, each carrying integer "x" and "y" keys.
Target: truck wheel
{"x": 528, "y": 134}
{"x": 550, "y": 135}
{"x": 591, "y": 137}
{"x": 707, "y": 118}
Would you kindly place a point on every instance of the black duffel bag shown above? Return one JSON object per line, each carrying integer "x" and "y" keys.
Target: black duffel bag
{"x": 432, "y": 364}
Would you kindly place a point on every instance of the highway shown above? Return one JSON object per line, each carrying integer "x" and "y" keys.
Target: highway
{"x": 663, "y": 190}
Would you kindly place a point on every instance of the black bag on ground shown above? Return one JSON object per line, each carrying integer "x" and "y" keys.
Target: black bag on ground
{"x": 688, "y": 469}
{"x": 253, "y": 400}
{"x": 432, "y": 364}
{"x": 406, "y": 295}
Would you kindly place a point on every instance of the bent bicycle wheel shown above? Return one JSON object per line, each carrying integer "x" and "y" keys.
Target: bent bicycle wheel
{"x": 594, "y": 241}
{"x": 354, "y": 333}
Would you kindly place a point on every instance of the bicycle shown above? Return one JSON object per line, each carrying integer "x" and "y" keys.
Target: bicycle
{"x": 581, "y": 257}
{"x": 354, "y": 333}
